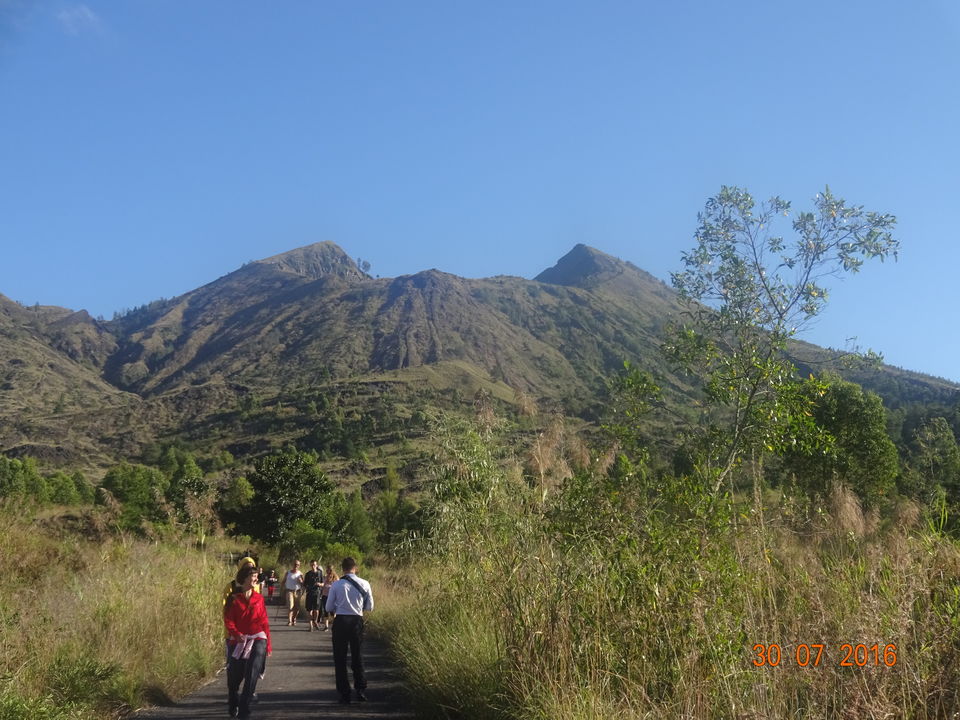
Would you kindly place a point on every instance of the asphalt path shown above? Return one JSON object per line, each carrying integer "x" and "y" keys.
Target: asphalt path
{"x": 299, "y": 683}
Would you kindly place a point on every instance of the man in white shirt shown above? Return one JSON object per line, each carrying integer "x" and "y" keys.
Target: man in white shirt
{"x": 349, "y": 597}
{"x": 292, "y": 586}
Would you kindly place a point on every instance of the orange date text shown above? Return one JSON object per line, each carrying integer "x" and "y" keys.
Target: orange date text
{"x": 807, "y": 655}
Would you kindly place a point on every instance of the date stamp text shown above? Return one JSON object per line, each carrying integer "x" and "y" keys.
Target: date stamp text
{"x": 806, "y": 655}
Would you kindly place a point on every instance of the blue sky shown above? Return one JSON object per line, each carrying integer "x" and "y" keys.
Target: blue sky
{"x": 150, "y": 146}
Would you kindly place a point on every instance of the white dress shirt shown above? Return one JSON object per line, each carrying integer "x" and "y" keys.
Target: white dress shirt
{"x": 345, "y": 599}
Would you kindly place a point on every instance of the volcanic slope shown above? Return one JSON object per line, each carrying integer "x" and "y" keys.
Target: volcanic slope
{"x": 311, "y": 313}
{"x": 290, "y": 331}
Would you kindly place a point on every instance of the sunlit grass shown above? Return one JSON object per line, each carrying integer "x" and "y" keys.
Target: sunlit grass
{"x": 612, "y": 601}
{"x": 96, "y": 627}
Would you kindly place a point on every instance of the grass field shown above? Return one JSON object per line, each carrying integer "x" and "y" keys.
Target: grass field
{"x": 94, "y": 627}
{"x": 639, "y": 597}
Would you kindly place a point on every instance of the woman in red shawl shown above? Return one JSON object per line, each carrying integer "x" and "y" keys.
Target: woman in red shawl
{"x": 245, "y": 619}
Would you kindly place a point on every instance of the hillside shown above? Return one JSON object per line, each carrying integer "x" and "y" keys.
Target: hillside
{"x": 284, "y": 347}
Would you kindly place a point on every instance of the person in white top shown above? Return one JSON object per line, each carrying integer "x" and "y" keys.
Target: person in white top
{"x": 292, "y": 587}
{"x": 349, "y": 598}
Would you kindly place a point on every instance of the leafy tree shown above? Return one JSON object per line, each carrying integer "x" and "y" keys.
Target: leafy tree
{"x": 288, "y": 487}
{"x": 14, "y": 474}
{"x": 63, "y": 491}
{"x": 393, "y": 515}
{"x": 633, "y": 394}
{"x": 169, "y": 462}
{"x": 37, "y": 486}
{"x": 140, "y": 489}
{"x": 859, "y": 452}
{"x": 937, "y": 459}
{"x": 358, "y": 527}
{"x": 187, "y": 481}
{"x": 221, "y": 461}
{"x": 747, "y": 291}
{"x": 20, "y": 477}
{"x": 85, "y": 489}
{"x": 237, "y": 495}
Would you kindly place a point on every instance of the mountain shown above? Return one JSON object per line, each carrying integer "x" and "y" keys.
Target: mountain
{"x": 304, "y": 346}
{"x": 310, "y": 312}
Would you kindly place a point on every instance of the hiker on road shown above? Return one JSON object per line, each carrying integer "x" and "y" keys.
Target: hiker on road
{"x": 349, "y": 598}
{"x": 313, "y": 582}
{"x": 292, "y": 587}
{"x": 246, "y": 623}
{"x": 328, "y": 580}
{"x": 229, "y": 590}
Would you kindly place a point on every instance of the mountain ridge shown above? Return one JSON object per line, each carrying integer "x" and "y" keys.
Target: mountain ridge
{"x": 310, "y": 318}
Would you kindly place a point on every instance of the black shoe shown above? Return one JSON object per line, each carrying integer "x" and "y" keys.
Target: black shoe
{"x": 361, "y": 696}
{"x": 234, "y": 711}
{"x": 344, "y": 699}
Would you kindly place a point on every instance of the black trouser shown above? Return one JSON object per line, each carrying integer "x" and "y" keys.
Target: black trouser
{"x": 348, "y": 632}
{"x": 248, "y": 671}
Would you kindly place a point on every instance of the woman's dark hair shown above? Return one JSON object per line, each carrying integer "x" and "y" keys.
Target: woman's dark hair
{"x": 237, "y": 585}
{"x": 243, "y": 573}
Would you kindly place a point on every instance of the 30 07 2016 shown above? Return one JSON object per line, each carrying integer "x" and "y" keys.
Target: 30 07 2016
{"x": 806, "y": 655}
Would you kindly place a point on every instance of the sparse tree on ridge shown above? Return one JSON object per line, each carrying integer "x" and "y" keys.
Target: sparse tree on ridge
{"x": 747, "y": 291}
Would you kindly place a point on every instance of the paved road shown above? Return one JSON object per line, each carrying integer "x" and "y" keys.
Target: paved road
{"x": 299, "y": 684}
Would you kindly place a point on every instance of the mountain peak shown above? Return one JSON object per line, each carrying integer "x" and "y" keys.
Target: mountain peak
{"x": 315, "y": 261}
{"x": 583, "y": 266}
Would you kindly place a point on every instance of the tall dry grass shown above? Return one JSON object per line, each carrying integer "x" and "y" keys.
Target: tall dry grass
{"x": 634, "y": 597}
{"x": 93, "y": 628}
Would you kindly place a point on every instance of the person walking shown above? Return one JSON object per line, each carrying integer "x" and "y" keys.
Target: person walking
{"x": 292, "y": 587}
{"x": 349, "y": 598}
{"x": 246, "y": 623}
{"x": 328, "y": 580}
{"x": 313, "y": 582}
{"x": 271, "y": 583}
{"x": 229, "y": 590}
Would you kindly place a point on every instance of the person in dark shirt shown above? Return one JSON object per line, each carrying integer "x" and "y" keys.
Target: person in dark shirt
{"x": 271, "y": 583}
{"x": 313, "y": 584}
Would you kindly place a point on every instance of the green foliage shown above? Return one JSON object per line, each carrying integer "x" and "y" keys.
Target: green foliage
{"x": 186, "y": 481}
{"x": 858, "y": 453}
{"x": 934, "y": 473}
{"x": 36, "y": 486}
{"x": 85, "y": 489}
{"x": 633, "y": 394}
{"x": 237, "y": 495}
{"x": 321, "y": 544}
{"x": 288, "y": 487}
{"x": 395, "y": 517}
{"x": 306, "y": 541}
{"x": 140, "y": 489}
{"x": 16, "y": 476}
{"x": 358, "y": 526}
{"x": 63, "y": 490}
{"x": 747, "y": 291}
{"x": 336, "y": 551}
{"x": 22, "y": 478}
